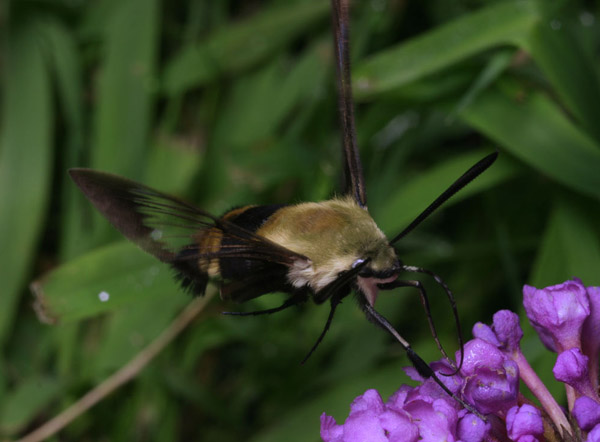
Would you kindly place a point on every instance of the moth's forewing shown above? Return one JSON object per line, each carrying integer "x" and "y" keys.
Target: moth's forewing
{"x": 158, "y": 223}
{"x": 193, "y": 241}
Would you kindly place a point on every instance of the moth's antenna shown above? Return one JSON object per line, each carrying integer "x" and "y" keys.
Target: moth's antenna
{"x": 355, "y": 184}
{"x": 420, "y": 365}
{"x": 461, "y": 182}
{"x": 452, "y": 301}
{"x": 425, "y": 301}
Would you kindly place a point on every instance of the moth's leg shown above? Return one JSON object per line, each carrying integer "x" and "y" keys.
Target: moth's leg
{"x": 452, "y": 301}
{"x": 335, "y": 300}
{"x": 425, "y": 301}
{"x": 420, "y": 365}
{"x": 297, "y": 298}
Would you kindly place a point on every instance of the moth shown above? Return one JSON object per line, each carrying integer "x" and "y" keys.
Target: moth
{"x": 319, "y": 251}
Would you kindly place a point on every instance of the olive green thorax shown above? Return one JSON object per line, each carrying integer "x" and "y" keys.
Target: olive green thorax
{"x": 333, "y": 234}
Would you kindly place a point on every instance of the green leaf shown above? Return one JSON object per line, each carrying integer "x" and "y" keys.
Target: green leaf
{"x": 535, "y": 130}
{"x": 494, "y": 68}
{"x": 25, "y": 162}
{"x": 126, "y": 88}
{"x": 29, "y": 398}
{"x": 127, "y": 275}
{"x": 570, "y": 68}
{"x": 238, "y": 46}
{"x": 570, "y": 248}
{"x": 126, "y": 92}
{"x": 64, "y": 64}
{"x": 302, "y": 422}
{"x": 171, "y": 165}
{"x": 133, "y": 327}
{"x": 504, "y": 23}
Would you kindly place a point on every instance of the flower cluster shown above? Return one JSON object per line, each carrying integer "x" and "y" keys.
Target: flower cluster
{"x": 567, "y": 320}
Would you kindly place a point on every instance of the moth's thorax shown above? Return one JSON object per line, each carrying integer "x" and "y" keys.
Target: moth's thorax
{"x": 333, "y": 234}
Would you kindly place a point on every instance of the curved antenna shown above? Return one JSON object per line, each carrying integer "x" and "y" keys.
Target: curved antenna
{"x": 461, "y": 182}
{"x": 450, "y": 296}
{"x": 425, "y": 302}
{"x": 420, "y": 365}
{"x": 355, "y": 184}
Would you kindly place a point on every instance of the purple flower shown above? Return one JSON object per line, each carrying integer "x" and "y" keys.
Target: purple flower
{"x": 436, "y": 420}
{"x": 370, "y": 420}
{"x": 590, "y": 339}
{"x": 572, "y": 368}
{"x": 508, "y": 330}
{"x": 491, "y": 378}
{"x": 409, "y": 415}
{"x": 485, "y": 332}
{"x": 524, "y": 423}
{"x": 557, "y": 313}
{"x": 594, "y": 435}
{"x": 471, "y": 428}
{"x": 432, "y": 411}
{"x": 429, "y": 387}
{"x": 586, "y": 412}
{"x": 567, "y": 319}
{"x": 330, "y": 430}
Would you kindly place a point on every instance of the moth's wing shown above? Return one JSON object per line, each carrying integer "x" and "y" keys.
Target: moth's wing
{"x": 127, "y": 205}
{"x": 169, "y": 228}
{"x": 267, "y": 278}
{"x": 355, "y": 183}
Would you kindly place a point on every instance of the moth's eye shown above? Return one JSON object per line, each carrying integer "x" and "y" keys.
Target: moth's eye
{"x": 358, "y": 262}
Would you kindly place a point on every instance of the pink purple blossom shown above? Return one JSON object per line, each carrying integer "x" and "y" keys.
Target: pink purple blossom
{"x": 557, "y": 313}
{"x": 567, "y": 319}
{"x": 587, "y": 413}
{"x": 524, "y": 423}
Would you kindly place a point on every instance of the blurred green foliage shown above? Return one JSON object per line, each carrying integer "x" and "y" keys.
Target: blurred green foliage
{"x": 233, "y": 102}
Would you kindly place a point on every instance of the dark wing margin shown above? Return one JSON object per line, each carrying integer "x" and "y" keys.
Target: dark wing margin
{"x": 169, "y": 228}
{"x": 355, "y": 183}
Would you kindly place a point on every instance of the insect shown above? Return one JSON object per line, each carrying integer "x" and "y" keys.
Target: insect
{"x": 322, "y": 251}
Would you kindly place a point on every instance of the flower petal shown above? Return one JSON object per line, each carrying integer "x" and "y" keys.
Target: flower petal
{"x": 508, "y": 330}
{"x": 586, "y": 412}
{"x": 399, "y": 427}
{"x": 485, "y": 332}
{"x": 557, "y": 313}
{"x": 590, "y": 334}
{"x": 363, "y": 427}
{"x": 571, "y": 368}
{"x": 525, "y": 420}
{"x": 472, "y": 429}
{"x": 369, "y": 401}
{"x": 594, "y": 435}
{"x": 330, "y": 430}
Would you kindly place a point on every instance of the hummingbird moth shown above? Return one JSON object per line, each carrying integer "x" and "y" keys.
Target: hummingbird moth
{"x": 320, "y": 251}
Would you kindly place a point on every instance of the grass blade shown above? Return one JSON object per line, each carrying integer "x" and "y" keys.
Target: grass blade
{"x": 25, "y": 162}
{"x": 500, "y": 24}
{"x": 239, "y": 46}
{"x": 535, "y": 130}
